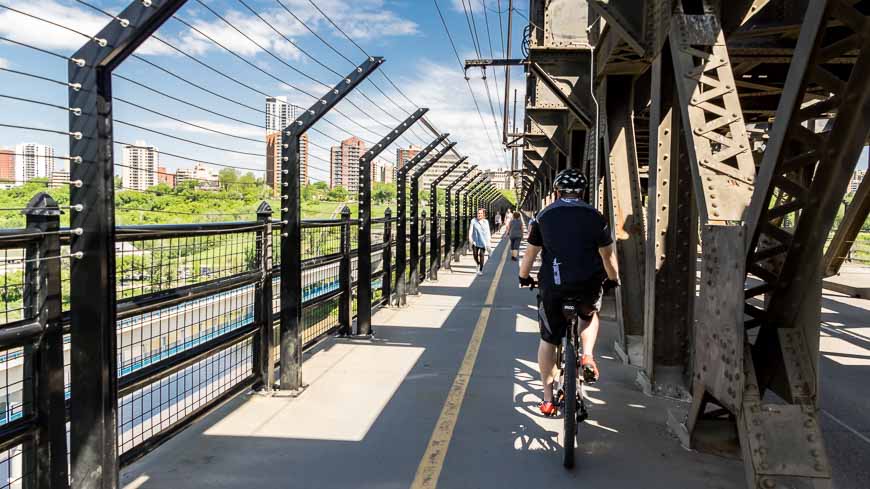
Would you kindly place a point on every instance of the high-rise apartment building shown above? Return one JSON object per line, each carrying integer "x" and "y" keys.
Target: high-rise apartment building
{"x": 344, "y": 164}
{"x": 279, "y": 114}
{"x": 7, "y": 168}
{"x": 405, "y": 154}
{"x": 33, "y": 160}
{"x": 165, "y": 176}
{"x": 856, "y": 179}
{"x": 140, "y": 166}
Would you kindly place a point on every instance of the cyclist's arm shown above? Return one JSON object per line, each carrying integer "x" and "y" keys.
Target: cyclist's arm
{"x": 529, "y": 260}
{"x": 611, "y": 265}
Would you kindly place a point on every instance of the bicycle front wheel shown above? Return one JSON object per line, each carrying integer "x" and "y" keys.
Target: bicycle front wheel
{"x": 570, "y": 422}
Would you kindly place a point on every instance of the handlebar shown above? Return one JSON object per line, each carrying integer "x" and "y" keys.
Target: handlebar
{"x": 529, "y": 282}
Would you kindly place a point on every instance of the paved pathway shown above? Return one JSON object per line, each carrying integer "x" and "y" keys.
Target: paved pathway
{"x": 444, "y": 396}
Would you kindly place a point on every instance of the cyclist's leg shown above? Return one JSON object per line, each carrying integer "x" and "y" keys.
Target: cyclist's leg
{"x": 589, "y": 324}
{"x": 589, "y": 334}
{"x": 547, "y": 367}
{"x": 552, "y": 325}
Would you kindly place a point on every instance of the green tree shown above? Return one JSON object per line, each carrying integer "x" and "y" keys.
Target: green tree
{"x": 228, "y": 177}
{"x": 337, "y": 194}
{"x": 383, "y": 193}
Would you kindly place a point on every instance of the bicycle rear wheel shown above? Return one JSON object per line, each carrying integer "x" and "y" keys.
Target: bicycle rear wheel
{"x": 570, "y": 422}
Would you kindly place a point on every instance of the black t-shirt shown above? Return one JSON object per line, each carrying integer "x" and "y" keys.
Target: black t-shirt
{"x": 570, "y": 232}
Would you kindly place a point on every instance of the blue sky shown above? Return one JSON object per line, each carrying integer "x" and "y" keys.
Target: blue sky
{"x": 408, "y": 33}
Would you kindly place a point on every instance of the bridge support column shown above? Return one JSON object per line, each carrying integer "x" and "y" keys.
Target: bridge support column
{"x": 671, "y": 246}
{"x": 626, "y": 217}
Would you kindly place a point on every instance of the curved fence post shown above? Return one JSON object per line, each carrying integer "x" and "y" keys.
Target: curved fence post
{"x": 291, "y": 220}
{"x": 402, "y": 240}
{"x": 364, "y": 237}
{"x": 93, "y": 305}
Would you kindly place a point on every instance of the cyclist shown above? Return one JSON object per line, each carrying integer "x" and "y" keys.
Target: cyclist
{"x": 578, "y": 261}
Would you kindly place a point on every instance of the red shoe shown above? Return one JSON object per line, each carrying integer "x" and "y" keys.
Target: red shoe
{"x": 590, "y": 369}
{"x": 548, "y": 408}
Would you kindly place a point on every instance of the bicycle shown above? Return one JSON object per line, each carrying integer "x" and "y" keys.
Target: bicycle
{"x": 568, "y": 384}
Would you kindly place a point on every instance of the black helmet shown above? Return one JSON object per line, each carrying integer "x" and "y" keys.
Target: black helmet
{"x": 570, "y": 181}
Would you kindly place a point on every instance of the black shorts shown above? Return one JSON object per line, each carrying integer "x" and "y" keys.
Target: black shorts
{"x": 552, "y": 321}
{"x": 515, "y": 243}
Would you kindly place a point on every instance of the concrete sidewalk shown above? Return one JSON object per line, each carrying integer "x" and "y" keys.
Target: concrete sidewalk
{"x": 371, "y": 408}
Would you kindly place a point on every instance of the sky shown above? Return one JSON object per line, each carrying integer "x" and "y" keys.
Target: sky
{"x": 264, "y": 50}
{"x": 278, "y": 48}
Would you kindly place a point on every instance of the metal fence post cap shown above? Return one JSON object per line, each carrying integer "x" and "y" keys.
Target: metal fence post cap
{"x": 345, "y": 212}
{"x": 42, "y": 204}
{"x": 423, "y": 213}
{"x": 387, "y": 212}
{"x": 264, "y": 209}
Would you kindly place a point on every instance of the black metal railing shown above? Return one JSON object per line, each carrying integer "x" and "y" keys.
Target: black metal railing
{"x": 32, "y": 411}
{"x": 196, "y": 322}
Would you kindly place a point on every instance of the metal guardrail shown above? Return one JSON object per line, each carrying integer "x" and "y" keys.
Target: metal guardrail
{"x": 191, "y": 321}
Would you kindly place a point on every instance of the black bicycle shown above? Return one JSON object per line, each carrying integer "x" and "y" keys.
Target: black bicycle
{"x": 568, "y": 392}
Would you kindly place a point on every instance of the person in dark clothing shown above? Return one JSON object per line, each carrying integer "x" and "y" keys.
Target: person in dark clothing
{"x": 577, "y": 261}
{"x": 515, "y": 233}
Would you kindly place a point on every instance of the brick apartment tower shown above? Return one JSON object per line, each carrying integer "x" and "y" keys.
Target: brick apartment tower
{"x": 344, "y": 164}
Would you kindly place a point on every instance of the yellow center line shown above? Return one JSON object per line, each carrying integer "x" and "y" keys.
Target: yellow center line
{"x": 432, "y": 462}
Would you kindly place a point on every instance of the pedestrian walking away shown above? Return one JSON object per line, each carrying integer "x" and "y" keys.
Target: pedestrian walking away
{"x": 479, "y": 238}
{"x": 515, "y": 233}
{"x": 497, "y": 222}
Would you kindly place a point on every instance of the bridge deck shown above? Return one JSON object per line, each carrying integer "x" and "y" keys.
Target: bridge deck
{"x": 371, "y": 408}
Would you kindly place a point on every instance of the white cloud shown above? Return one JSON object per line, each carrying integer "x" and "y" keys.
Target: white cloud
{"x": 443, "y": 90}
{"x": 360, "y": 19}
{"x": 254, "y": 28}
{"x": 4, "y": 63}
{"x": 452, "y": 109}
{"x": 43, "y": 35}
{"x": 31, "y": 31}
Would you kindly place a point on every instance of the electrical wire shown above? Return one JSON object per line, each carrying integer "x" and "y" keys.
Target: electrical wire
{"x": 187, "y": 158}
{"x": 358, "y": 46}
{"x": 186, "y": 102}
{"x": 76, "y": 135}
{"x": 276, "y": 57}
{"x": 30, "y": 46}
{"x": 40, "y": 102}
{"x": 191, "y": 141}
{"x": 191, "y": 124}
{"x": 462, "y": 67}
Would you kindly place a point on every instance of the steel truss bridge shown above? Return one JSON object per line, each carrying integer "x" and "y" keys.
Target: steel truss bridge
{"x": 719, "y": 139}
